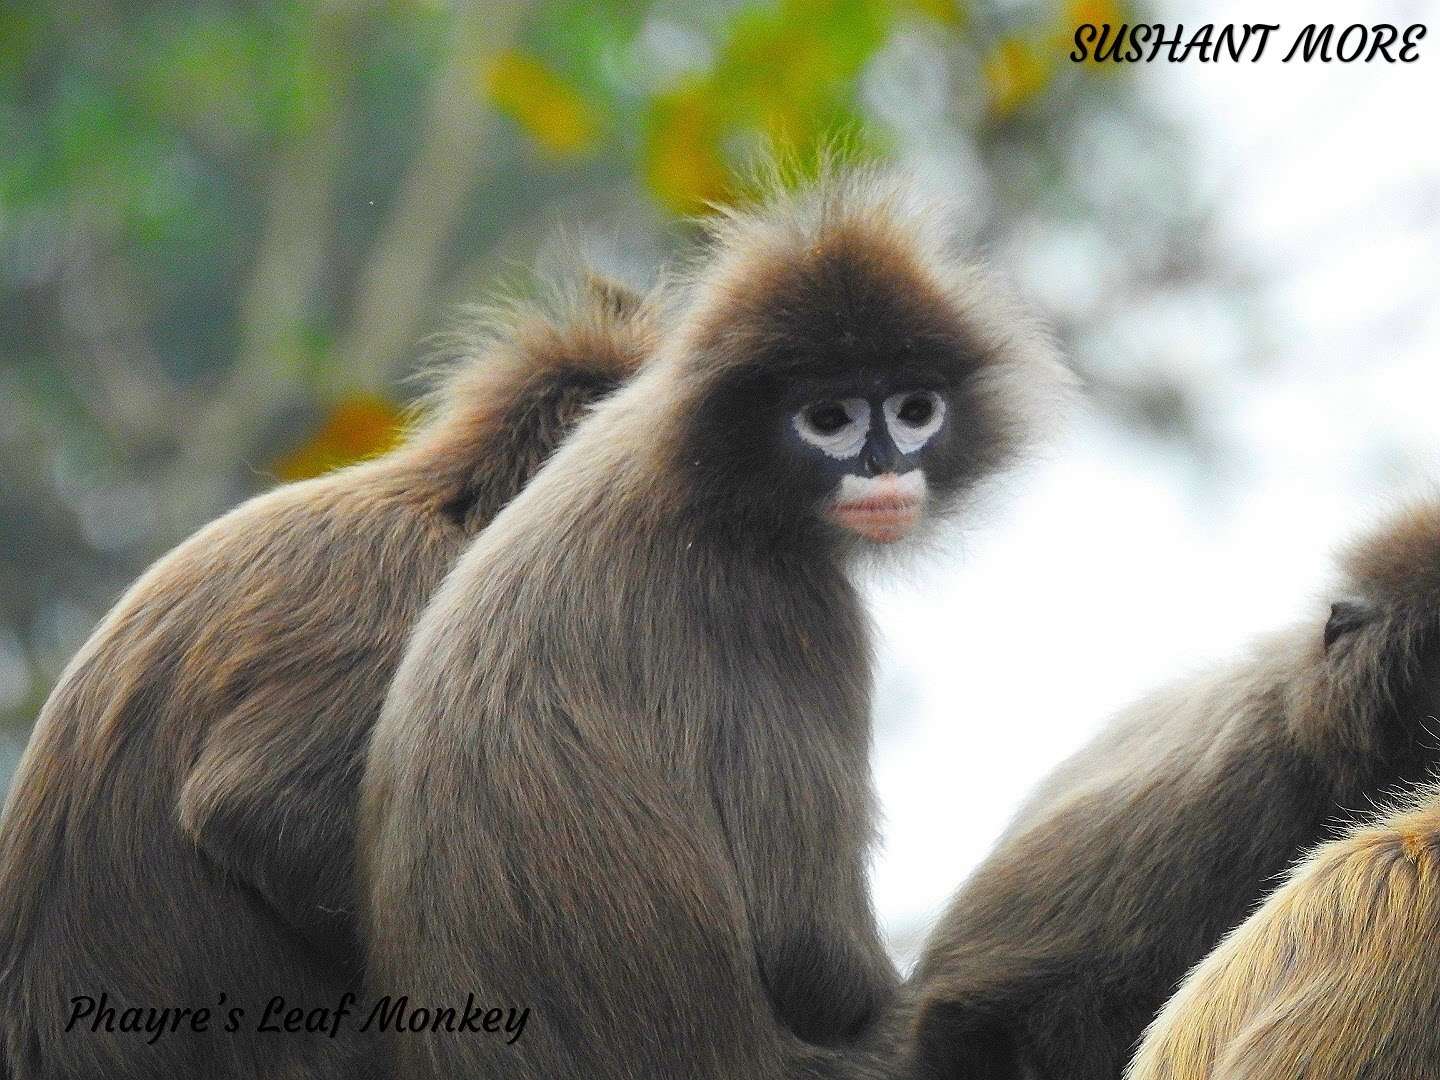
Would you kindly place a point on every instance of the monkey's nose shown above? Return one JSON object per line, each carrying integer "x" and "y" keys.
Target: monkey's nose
{"x": 878, "y": 458}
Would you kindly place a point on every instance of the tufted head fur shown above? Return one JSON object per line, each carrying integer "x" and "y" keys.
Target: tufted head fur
{"x": 1378, "y": 659}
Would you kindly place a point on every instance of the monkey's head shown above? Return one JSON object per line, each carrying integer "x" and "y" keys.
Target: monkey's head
{"x": 852, "y": 378}
{"x": 518, "y": 379}
{"x": 1376, "y": 677}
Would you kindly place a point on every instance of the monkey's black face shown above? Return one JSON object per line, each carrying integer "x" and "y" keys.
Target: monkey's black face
{"x": 864, "y": 450}
{"x": 867, "y": 453}
{"x": 852, "y": 397}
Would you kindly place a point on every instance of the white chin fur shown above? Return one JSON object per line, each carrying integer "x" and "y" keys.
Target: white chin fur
{"x": 908, "y": 487}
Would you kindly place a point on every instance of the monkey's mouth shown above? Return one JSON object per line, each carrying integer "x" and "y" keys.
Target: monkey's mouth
{"x": 883, "y": 509}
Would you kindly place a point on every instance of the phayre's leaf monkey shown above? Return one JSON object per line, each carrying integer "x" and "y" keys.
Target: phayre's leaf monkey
{"x": 180, "y": 832}
{"x": 622, "y": 774}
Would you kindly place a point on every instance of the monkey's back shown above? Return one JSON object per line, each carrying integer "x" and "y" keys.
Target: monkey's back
{"x": 1135, "y": 857}
{"x": 229, "y": 647}
{"x": 182, "y": 824}
{"x": 1337, "y": 973}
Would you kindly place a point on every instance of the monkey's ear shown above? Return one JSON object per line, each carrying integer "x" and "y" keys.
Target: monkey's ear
{"x": 619, "y": 300}
{"x": 1345, "y": 616}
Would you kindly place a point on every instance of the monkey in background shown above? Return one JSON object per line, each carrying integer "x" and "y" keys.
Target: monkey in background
{"x": 180, "y": 830}
{"x": 622, "y": 775}
{"x": 1337, "y": 975}
{"x": 1139, "y": 853}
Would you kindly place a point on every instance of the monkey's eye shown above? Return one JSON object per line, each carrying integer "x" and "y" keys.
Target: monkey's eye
{"x": 838, "y": 426}
{"x": 916, "y": 410}
{"x": 913, "y": 418}
{"x": 827, "y": 418}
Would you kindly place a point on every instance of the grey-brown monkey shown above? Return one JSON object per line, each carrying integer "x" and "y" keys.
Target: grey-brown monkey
{"x": 1337, "y": 975}
{"x": 180, "y": 832}
{"x": 1137, "y": 855}
{"x": 622, "y": 778}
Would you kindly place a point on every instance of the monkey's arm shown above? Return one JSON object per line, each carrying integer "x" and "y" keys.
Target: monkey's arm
{"x": 1337, "y": 975}
{"x": 271, "y": 800}
{"x": 827, "y": 983}
{"x": 820, "y": 955}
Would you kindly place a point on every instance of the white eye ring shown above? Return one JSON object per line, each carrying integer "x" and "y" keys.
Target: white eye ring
{"x": 844, "y": 442}
{"x": 911, "y": 437}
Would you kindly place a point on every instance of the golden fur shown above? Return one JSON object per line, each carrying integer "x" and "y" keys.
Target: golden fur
{"x": 1335, "y": 977}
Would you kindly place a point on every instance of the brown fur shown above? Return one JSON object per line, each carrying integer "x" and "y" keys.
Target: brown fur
{"x": 181, "y": 827}
{"x": 1338, "y": 973}
{"x": 622, "y": 775}
{"x": 1138, "y": 854}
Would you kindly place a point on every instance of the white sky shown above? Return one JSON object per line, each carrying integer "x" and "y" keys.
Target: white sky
{"x": 1114, "y": 571}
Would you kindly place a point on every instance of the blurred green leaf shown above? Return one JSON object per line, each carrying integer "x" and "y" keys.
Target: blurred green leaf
{"x": 784, "y": 74}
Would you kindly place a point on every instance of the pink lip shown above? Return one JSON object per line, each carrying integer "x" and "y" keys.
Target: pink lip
{"x": 884, "y": 520}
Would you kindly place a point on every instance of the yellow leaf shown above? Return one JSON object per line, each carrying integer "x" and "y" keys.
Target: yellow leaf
{"x": 684, "y": 165}
{"x": 942, "y": 11}
{"x": 1095, "y": 12}
{"x": 358, "y": 427}
{"x": 1016, "y": 72}
{"x": 549, "y": 110}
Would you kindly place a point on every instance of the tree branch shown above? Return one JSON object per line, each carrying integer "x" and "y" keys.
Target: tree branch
{"x": 293, "y": 252}
{"x": 396, "y": 287}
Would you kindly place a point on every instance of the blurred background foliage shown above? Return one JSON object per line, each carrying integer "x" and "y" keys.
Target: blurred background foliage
{"x": 227, "y": 229}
